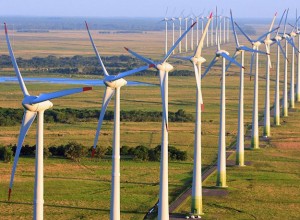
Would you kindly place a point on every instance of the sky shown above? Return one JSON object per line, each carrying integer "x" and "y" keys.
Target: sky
{"x": 142, "y": 8}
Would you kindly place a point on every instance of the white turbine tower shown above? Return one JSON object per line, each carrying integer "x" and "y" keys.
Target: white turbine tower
{"x": 180, "y": 22}
{"x": 221, "y": 164}
{"x": 197, "y": 60}
{"x": 186, "y": 19}
{"x": 34, "y": 106}
{"x": 163, "y": 68}
{"x": 255, "y": 46}
{"x": 173, "y": 19}
{"x": 240, "y": 49}
{"x": 113, "y": 84}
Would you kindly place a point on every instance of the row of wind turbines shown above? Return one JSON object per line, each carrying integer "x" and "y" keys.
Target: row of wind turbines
{"x": 36, "y": 105}
{"x": 182, "y": 23}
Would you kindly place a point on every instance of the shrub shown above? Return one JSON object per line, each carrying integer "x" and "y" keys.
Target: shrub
{"x": 141, "y": 153}
{"x": 74, "y": 151}
{"x": 6, "y": 153}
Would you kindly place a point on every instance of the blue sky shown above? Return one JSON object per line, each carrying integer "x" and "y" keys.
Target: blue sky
{"x": 142, "y": 8}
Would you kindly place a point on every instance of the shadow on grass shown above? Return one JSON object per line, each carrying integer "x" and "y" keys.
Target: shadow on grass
{"x": 232, "y": 209}
{"x": 71, "y": 207}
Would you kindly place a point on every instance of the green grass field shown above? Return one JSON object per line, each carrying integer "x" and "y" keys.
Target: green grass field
{"x": 82, "y": 190}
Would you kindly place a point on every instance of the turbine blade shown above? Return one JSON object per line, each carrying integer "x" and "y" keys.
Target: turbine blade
{"x": 200, "y": 44}
{"x": 280, "y": 21}
{"x": 140, "y": 57}
{"x": 130, "y": 72}
{"x": 248, "y": 38}
{"x": 245, "y": 48}
{"x": 284, "y": 29}
{"x": 96, "y": 51}
{"x": 233, "y": 30}
{"x": 251, "y": 64}
{"x": 47, "y": 96}
{"x": 282, "y": 50}
{"x": 269, "y": 57}
{"x": 227, "y": 57}
{"x": 266, "y": 34}
{"x": 162, "y": 78}
{"x": 176, "y": 43}
{"x": 272, "y": 24}
{"x": 196, "y": 75}
{"x": 14, "y": 62}
{"x": 291, "y": 42}
{"x": 182, "y": 58}
{"x": 27, "y": 121}
{"x": 109, "y": 92}
{"x": 215, "y": 59}
{"x": 233, "y": 57}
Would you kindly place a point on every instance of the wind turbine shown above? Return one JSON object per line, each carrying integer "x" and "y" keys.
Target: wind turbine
{"x": 113, "y": 84}
{"x": 298, "y": 64}
{"x": 255, "y": 45}
{"x": 163, "y": 68}
{"x": 277, "y": 40}
{"x": 34, "y": 106}
{"x": 197, "y": 60}
{"x": 292, "y": 35}
{"x": 240, "y": 49}
{"x": 288, "y": 40}
{"x": 221, "y": 167}
{"x": 268, "y": 42}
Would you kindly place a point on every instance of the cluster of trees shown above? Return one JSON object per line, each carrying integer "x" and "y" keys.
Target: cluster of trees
{"x": 10, "y": 117}
{"x": 76, "y": 151}
{"x": 82, "y": 65}
{"x": 6, "y": 153}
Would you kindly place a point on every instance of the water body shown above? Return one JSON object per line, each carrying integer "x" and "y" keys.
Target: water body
{"x": 88, "y": 82}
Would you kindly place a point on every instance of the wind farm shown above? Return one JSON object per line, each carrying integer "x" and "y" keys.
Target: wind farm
{"x": 161, "y": 150}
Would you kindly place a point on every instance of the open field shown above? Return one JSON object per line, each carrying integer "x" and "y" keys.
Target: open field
{"x": 266, "y": 189}
{"x": 82, "y": 190}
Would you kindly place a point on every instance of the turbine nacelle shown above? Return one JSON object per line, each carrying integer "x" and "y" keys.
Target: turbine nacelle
{"x": 198, "y": 60}
{"x": 293, "y": 34}
{"x": 277, "y": 38}
{"x": 41, "y": 106}
{"x": 285, "y": 36}
{"x": 165, "y": 67}
{"x": 256, "y": 43}
{"x": 220, "y": 52}
{"x": 268, "y": 41}
{"x": 114, "y": 84}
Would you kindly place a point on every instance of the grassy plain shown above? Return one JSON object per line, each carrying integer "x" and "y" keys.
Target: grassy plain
{"x": 82, "y": 190}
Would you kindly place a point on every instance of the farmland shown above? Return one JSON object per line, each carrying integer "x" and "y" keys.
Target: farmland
{"x": 82, "y": 190}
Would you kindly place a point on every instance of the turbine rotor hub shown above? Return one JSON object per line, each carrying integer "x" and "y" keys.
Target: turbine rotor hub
{"x": 41, "y": 106}
{"x": 165, "y": 67}
{"x": 114, "y": 84}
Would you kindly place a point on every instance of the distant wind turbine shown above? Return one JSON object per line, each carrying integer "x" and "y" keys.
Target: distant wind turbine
{"x": 221, "y": 164}
{"x": 197, "y": 60}
{"x": 240, "y": 49}
{"x": 255, "y": 45}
